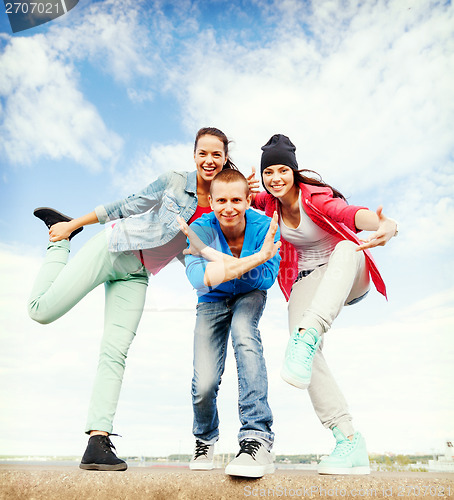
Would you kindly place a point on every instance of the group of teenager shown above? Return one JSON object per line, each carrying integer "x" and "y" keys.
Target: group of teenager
{"x": 233, "y": 254}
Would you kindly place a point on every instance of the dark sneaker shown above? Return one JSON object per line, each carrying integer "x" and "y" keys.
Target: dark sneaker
{"x": 99, "y": 455}
{"x": 253, "y": 460}
{"x": 50, "y": 217}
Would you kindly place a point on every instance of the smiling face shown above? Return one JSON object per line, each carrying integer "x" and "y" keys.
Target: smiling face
{"x": 278, "y": 180}
{"x": 229, "y": 201}
{"x": 209, "y": 156}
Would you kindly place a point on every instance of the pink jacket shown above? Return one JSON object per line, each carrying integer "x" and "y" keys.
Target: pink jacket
{"x": 333, "y": 215}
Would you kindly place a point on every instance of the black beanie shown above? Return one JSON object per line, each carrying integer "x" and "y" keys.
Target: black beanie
{"x": 279, "y": 150}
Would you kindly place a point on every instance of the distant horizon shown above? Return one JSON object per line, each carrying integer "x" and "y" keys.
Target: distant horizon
{"x": 189, "y": 454}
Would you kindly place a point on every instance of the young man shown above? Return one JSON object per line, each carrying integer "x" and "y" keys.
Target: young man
{"x": 231, "y": 261}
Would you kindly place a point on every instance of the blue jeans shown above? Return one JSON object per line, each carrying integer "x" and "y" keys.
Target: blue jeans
{"x": 240, "y": 316}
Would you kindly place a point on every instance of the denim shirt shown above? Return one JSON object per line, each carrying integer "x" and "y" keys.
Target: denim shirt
{"x": 148, "y": 219}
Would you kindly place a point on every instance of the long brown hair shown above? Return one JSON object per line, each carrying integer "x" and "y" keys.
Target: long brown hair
{"x": 315, "y": 179}
{"x": 220, "y": 135}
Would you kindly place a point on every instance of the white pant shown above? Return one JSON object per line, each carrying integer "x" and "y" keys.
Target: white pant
{"x": 315, "y": 301}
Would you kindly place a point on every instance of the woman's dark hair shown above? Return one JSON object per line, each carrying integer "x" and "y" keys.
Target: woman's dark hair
{"x": 220, "y": 135}
{"x": 314, "y": 179}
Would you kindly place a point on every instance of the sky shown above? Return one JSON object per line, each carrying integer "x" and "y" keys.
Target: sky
{"x": 97, "y": 103}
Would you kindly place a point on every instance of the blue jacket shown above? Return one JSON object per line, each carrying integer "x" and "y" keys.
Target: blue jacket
{"x": 149, "y": 218}
{"x": 209, "y": 231}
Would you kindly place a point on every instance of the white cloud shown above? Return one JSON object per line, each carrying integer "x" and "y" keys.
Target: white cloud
{"x": 366, "y": 97}
{"x": 424, "y": 207}
{"x": 368, "y": 107}
{"x": 45, "y": 112}
{"x": 139, "y": 96}
{"x": 367, "y": 101}
{"x": 47, "y": 371}
{"x": 159, "y": 159}
{"x": 112, "y": 36}
{"x": 434, "y": 308}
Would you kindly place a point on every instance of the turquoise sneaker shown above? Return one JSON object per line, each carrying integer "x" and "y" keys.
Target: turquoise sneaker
{"x": 301, "y": 348}
{"x": 348, "y": 457}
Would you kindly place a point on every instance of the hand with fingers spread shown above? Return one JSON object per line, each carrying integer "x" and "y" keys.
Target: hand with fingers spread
{"x": 196, "y": 245}
{"x": 387, "y": 228}
{"x": 269, "y": 247}
{"x": 253, "y": 183}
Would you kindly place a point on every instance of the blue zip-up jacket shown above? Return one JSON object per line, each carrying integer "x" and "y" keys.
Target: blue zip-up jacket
{"x": 209, "y": 231}
{"x": 149, "y": 218}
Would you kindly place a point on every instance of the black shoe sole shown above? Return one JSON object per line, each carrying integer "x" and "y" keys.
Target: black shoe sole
{"x": 42, "y": 212}
{"x": 106, "y": 467}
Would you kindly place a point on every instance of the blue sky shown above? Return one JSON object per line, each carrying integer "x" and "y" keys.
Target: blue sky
{"x": 97, "y": 103}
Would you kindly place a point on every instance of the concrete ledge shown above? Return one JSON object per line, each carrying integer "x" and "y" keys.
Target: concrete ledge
{"x": 43, "y": 482}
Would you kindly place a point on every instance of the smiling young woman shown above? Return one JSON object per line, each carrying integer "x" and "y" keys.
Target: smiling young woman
{"x": 324, "y": 267}
{"x": 211, "y": 148}
{"x": 121, "y": 258}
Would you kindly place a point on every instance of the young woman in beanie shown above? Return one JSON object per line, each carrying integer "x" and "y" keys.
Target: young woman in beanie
{"x": 324, "y": 266}
{"x": 122, "y": 257}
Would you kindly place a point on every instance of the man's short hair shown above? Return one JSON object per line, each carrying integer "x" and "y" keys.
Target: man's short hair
{"x": 230, "y": 175}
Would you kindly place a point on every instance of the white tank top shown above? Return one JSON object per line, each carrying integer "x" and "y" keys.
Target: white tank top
{"x": 313, "y": 244}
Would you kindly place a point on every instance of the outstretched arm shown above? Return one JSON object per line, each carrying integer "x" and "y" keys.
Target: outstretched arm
{"x": 222, "y": 267}
{"x": 218, "y": 272}
{"x": 62, "y": 230}
{"x": 384, "y": 227}
{"x": 198, "y": 247}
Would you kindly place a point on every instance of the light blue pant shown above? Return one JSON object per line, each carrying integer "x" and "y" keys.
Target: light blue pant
{"x": 60, "y": 285}
{"x": 239, "y": 315}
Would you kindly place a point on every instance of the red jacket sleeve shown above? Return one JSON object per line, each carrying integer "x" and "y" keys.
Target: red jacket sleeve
{"x": 336, "y": 208}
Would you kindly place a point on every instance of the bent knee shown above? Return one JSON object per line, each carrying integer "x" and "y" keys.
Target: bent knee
{"x": 203, "y": 391}
{"x": 39, "y": 318}
{"x": 39, "y": 315}
{"x": 346, "y": 246}
{"x": 348, "y": 250}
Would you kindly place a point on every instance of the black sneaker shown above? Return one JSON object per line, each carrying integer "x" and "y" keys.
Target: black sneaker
{"x": 50, "y": 217}
{"x": 99, "y": 455}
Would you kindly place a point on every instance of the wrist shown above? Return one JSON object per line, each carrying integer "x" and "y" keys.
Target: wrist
{"x": 207, "y": 253}
{"x": 261, "y": 257}
{"x": 73, "y": 225}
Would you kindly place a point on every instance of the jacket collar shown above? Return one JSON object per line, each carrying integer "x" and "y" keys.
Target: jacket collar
{"x": 191, "y": 182}
{"x": 309, "y": 189}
